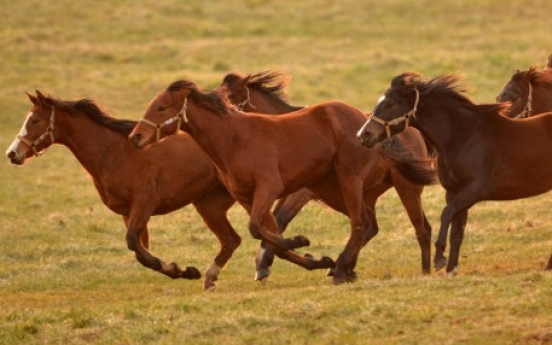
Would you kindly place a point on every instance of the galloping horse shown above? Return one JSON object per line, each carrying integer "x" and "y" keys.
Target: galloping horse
{"x": 262, "y": 158}
{"x": 530, "y": 93}
{"x": 265, "y": 92}
{"x": 174, "y": 174}
{"x": 482, "y": 154}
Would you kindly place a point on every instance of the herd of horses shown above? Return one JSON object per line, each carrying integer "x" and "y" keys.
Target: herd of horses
{"x": 243, "y": 142}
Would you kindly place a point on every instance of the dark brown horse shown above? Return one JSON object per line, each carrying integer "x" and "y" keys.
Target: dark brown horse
{"x": 172, "y": 175}
{"x": 261, "y": 158}
{"x": 530, "y": 93}
{"x": 482, "y": 155}
{"x": 265, "y": 92}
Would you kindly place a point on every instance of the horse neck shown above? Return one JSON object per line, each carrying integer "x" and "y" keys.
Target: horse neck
{"x": 213, "y": 132}
{"x": 89, "y": 142}
{"x": 542, "y": 98}
{"x": 442, "y": 125}
{"x": 268, "y": 104}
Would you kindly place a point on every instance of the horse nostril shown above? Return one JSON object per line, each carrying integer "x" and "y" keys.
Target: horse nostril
{"x": 11, "y": 154}
{"x": 135, "y": 139}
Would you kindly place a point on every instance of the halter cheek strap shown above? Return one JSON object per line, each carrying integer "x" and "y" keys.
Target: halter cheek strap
{"x": 181, "y": 116}
{"x": 406, "y": 117}
{"x": 246, "y": 101}
{"x": 526, "y": 112}
{"x": 33, "y": 144}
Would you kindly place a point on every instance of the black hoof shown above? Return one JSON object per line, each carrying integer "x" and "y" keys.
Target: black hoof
{"x": 191, "y": 273}
{"x": 328, "y": 262}
{"x": 301, "y": 241}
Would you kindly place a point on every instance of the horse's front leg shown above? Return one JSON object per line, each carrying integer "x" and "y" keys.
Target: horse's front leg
{"x": 456, "y": 204}
{"x": 285, "y": 210}
{"x": 137, "y": 224}
{"x": 456, "y": 238}
{"x": 259, "y": 211}
{"x": 360, "y": 233}
{"x": 213, "y": 208}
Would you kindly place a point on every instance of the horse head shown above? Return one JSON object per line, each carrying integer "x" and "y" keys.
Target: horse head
{"x": 37, "y": 131}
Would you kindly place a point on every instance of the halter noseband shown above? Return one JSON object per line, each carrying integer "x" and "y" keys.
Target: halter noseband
{"x": 246, "y": 101}
{"x": 181, "y": 116}
{"x": 526, "y": 112}
{"x": 49, "y": 132}
{"x": 406, "y": 117}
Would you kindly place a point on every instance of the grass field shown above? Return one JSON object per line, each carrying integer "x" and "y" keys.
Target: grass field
{"x": 66, "y": 275}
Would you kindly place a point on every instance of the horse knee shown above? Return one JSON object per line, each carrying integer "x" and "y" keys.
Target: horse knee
{"x": 132, "y": 241}
{"x": 254, "y": 230}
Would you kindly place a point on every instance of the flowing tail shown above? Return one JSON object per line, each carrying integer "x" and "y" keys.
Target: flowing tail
{"x": 418, "y": 170}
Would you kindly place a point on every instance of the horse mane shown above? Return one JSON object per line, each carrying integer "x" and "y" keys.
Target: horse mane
{"x": 449, "y": 86}
{"x": 534, "y": 75}
{"x": 92, "y": 111}
{"x": 211, "y": 99}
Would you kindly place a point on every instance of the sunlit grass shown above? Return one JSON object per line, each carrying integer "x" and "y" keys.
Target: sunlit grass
{"x": 66, "y": 275}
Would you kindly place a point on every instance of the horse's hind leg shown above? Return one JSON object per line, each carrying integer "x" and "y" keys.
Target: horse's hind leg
{"x": 549, "y": 266}
{"x": 285, "y": 210}
{"x": 213, "y": 208}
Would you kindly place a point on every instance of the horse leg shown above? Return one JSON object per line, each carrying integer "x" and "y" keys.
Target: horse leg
{"x": 269, "y": 227}
{"x": 456, "y": 237}
{"x": 260, "y": 209}
{"x": 212, "y": 208}
{"x": 549, "y": 266}
{"x": 458, "y": 202}
{"x": 285, "y": 210}
{"x": 359, "y": 220}
{"x": 410, "y": 195}
{"x": 137, "y": 224}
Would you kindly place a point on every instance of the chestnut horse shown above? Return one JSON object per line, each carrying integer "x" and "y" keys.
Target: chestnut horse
{"x": 530, "y": 93}
{"x": 482, "y": 155}
{"x": 174, "y": 174}
{"x": 265, "y": 92}
{"x": 261, "y": 158}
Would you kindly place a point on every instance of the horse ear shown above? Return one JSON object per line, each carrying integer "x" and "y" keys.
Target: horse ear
{"x": 43, "y": 100}
{"x": 245, "y": 81}
{"x": 32, "y": 98}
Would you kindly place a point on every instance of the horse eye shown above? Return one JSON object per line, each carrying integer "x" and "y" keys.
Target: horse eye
{"x": 161, "y": 108}
{"x": 35, "y": 121}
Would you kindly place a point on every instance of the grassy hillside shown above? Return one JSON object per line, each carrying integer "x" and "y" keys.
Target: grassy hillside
{"x": 65, "y": 273}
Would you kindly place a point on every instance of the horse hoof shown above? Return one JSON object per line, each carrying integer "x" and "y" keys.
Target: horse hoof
{"x": 328, "y": 262}
{"x": 308, "y": 256}
{"x": 452, "y": 272}
{"x": 440, "y": 263}
{"x": 191, "y": 273}
{"x": 331, "y": 272}
{"x": 338, "y": 280}
{"x": 262, "y": 275}
{"x": 210, "y": 287}
{"x": 264, "y": 280}
{"x": 301, "y": 241}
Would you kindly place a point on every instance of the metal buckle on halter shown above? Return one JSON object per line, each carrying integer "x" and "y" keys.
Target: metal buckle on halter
{"x": 178, "y": 117}
{"x": 33, "y": 144}
{"x": 406, "y": 117}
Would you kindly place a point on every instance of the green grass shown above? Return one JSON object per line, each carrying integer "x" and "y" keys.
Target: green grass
{"x": 66, "y": 275}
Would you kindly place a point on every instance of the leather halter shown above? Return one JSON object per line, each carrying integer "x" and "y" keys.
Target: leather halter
{"x": 246, "y": 101}
{"x": 48, "y": 132}
{"x": 526, "y": 112}
{"x": 181, "y": 116}
{"x": 406, "y": 117}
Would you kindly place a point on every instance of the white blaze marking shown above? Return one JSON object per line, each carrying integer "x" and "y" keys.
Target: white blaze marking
{"x": 359, "y": 133}
{"x": 22, "y": 132}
